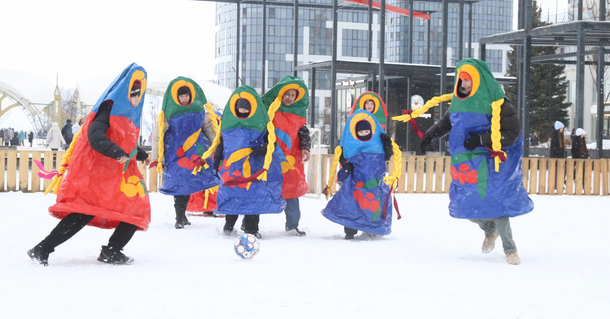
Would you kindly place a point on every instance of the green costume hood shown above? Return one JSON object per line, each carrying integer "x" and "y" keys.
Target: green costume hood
{"x": 300, "y": 105}
{"x": 258, "y": 118}
{"x": 171, "y": 105}
{"x": 485, "y": 88}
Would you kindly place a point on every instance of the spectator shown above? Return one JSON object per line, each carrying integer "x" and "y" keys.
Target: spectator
{"x": 54, "y": 138}
{"x": 558, "y": 145}
{"x": 21, "y": 138}
{"x": 66, "y": 133}
{"x": 579, "y": 145}
{"x": 31, "y": 138}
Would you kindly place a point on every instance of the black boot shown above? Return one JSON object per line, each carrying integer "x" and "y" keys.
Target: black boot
{"x": 40, "y": 254}
{"x": 180, "y": 204}
{"x": 111, "y": 255}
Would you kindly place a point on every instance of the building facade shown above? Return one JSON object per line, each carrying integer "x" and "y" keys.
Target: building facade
{"x": 315, "y": 41}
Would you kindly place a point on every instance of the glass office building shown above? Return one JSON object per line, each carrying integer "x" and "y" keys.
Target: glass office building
{"x": 315, "y": 40}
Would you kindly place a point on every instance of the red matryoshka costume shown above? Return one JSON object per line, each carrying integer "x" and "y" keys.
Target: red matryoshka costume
{"x": 97, "y": 189}
{"x": 380, "y": 112}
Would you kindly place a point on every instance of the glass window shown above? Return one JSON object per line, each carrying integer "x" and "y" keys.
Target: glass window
{"x": 271, "y": 13}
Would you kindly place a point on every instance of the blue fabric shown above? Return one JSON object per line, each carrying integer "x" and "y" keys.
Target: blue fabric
{"x": 118, "y": 92}
{"x": 259, "y": 197}
{"x": 179, "y": 180}
{"x": 362, "y": 203}
{"x": 500, "y": 193}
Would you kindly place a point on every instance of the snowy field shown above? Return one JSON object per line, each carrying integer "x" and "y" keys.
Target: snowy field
{"x": 431, "y": 266}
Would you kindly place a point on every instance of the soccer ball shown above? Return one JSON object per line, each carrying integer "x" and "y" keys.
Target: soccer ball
{"x": 246, "y": 246}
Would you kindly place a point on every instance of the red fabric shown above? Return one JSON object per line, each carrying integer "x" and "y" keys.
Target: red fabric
{"x": 92, "y": 184}
{"x": 413, "y": 124}
{"x": 295, "y": 185}
{"x": 499, "y": 154}
{"x": 198, "y": 200}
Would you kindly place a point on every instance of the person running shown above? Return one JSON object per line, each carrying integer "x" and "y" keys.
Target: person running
{"x": 104, "y": 187}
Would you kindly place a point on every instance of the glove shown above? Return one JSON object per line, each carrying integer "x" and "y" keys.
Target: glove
{"x": 386, "y": 140}
{"x": 425, "y": 142}
{"x": 473, "y": 141}
{"x": 348, "y": 167}
{"x": 258, "y": 151}
{"x": 153, "y": 164}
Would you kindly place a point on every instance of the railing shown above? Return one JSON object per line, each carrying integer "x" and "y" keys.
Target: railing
{"x": 420, "y": 174}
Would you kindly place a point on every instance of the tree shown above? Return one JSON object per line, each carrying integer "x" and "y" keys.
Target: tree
{"x": 548, "y": 89}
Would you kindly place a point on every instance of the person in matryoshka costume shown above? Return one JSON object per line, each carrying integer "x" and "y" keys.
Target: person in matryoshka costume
{"x": 363, "y": 202}
{"x": 485, "y": 144}
{"x": 248, "y": 161}
{"x": 373, "y": 103}
{"x": 292, "y": 96}
{"x": 184, "y": 133}
{"x": 103, "y": 186}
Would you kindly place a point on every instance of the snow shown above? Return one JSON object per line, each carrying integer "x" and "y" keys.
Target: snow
{"x": 431, "y": 266}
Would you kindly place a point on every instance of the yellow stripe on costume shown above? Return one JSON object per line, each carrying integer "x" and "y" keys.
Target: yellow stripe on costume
{"x": 191, "y": 140}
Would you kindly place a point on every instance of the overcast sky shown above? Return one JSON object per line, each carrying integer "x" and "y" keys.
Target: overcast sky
{"x": 80, "y": 40}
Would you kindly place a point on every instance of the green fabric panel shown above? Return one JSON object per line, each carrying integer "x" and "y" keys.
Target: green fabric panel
{"x": 371, "y": 183}
{"x": 466, "y": 156}
{"x": 488, "y": 91}
{"x": 171, "y": 108}
{"x": 298, "y": 108}
{"x": 482, "y": 175}
{"x": 257, "y": 121}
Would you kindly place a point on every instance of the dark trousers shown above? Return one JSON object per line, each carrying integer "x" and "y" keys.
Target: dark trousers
{"x": 250, "y": 223}
{"x": 180, "y": 204}
{"x": 74, "y": 222}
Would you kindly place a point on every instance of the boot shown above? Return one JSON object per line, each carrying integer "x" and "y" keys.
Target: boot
{"x": 513, "y": 258}
{"x": 295, "y": 232}
{"x": 256, "y": 234}
{"x": 349, "y": 236}
{"x": 490, "y": 242}
{"x": 39, "y": 254}
{"x": 111, "y": 255}
{"x": 181, "y": 220}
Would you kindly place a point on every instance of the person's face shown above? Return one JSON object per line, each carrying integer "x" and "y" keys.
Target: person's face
{"x": 81, "y": 121}
{"x": 242, "y": 110}
{"x": 467, "y": 85}
{"x": 364, "y": 133}
{"x": 184, "y": 99}
{"x": 289, "y": 97}
{"x": 369, "y": 106}
{"x": 135, "y": 100}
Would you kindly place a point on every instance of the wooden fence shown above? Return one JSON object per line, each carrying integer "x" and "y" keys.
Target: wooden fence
{"x": 420, "y": 174}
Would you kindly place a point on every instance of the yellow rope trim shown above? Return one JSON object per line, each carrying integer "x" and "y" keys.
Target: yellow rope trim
{"x": 161, "y": 149}
{"x": 213, "y": 117}
{"x": 393, "y": 179}
{"x": 431, "y": 103}
{"x": 333, "y": 171}
{"x": 271, "y": 138}
{"x": 496, "y": 136}
{"x": 65, "y": 160}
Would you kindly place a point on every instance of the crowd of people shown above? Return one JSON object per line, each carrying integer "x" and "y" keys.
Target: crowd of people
{"x": 249, "y": 161}
{"x": 10, "y": 137}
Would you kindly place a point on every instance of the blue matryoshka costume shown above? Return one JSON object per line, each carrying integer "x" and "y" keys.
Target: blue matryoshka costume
{"x": 479, "y": 188}
{"x": 251, "y": 184}
{"x": 183, "y": 141}
{"x": 363, "y": 202}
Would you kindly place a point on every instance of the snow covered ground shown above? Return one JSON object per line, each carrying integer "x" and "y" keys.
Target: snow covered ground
{"x": 431, "y": 266}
